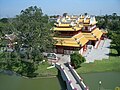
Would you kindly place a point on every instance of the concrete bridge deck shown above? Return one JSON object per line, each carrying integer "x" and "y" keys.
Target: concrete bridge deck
{"x": 69, "y": 74}
{"x": 72, "y": 78}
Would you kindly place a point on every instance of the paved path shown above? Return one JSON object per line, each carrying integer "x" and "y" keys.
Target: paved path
{"x": 63, "y": 60}
{"x": 102, "y": 52}
{"x": 74, "y": 82}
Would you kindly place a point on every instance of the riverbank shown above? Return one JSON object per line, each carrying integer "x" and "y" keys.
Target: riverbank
{"x": 39, "y": 82}
{"x": 41, "y": 72}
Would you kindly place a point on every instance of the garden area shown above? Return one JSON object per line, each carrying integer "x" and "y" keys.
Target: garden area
{"x": 44, "y": 72}
{"x": 105, "y": 65}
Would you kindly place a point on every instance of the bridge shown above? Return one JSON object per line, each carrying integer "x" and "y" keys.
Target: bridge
{"x": 71, "y": 77}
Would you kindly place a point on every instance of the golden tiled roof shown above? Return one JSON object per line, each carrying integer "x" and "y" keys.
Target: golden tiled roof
{"x": 81, "y": 20}
{"x": 79, "y": 39}
{"x": 87, "y": 20}
{"x": 76, "y": 41}
{"x": 97, "y": 33}
{"x": 103, "y": 31}
{"x": 67, "y": 29}
{"x": 89, "y": 36}
{"x": 63, "y": 25}
{"x": 82, "y": 17}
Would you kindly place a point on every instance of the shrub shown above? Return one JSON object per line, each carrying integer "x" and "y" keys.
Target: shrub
{"x": 76, "y": 59}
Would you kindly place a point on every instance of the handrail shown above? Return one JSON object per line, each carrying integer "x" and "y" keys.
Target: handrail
{"x": 75, "y": 75}
{"x": 68, "y": 79}
{"x": 78, "y": 78}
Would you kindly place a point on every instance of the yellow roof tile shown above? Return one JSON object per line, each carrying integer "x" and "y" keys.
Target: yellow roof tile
{"x": 97, "y": 33}
{"x": 81, "y": 20}
{"x": 82, "y": 17}
{"x": 76, "y": 41}
{"x": 78, "y": 35}
{"x": 87, "y": 21}
{"x": 103, "y": 31}
{"x": 67, "y": 29}
{"x": 89, "y": 36}
{"x": 63, "y": 25}
{"x": 80, "y": 39}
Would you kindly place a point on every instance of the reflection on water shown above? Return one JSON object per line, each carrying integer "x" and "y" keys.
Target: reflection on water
{"x": 109, "y": 80}
{"x": 13, "y": 82}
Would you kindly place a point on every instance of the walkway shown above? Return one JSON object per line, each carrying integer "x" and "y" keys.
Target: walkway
{"x": 102, "y": 52}
{"x": 64, "y": 59}
{"x": 74, "y": 81}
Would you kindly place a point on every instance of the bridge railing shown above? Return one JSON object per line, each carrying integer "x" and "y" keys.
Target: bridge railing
{"x": 78, "y": 78}
{"x": 65, "y": 77}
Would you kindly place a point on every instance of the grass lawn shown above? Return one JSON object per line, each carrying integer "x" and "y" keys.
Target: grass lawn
{"x": 43, "y": 71}
{"x": 105, "y": 65}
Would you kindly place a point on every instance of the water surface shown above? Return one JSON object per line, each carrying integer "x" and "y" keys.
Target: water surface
{"x": 14, "y": 82}
{"x": 109, "y": 80}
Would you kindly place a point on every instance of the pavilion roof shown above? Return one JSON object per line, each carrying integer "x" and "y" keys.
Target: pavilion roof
{"x": 89, "y": 36}
{"x": 76, "y": 41}
{"x": 75, "y": 28}
{"x": 63, "y": 25}
{"x": 97, "y": 33}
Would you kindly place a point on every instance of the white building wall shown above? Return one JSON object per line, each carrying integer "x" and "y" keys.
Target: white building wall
{"x": 81, "y": 51}
{"x": 96, "y": 44}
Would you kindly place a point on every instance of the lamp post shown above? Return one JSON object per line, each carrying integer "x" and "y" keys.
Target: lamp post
{"x": 100, "y": 85}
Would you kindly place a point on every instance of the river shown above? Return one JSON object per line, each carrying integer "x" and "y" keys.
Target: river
{"x": 14, "y": 82}
{"x": 109, "y": 80}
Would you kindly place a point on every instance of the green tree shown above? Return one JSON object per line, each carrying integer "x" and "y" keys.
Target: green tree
{"x": 4, "y": 20}
{"x": 116, "y": 41}
{"x": 65, "y": 14}
{"x": 76, "y": 59}
{"x": 114, "y": 15}
{"x": 27, "y": 69}
{"x": 33, "y": 35}
{"x": 85, "y": 13}
{"x": 33, "y": 30}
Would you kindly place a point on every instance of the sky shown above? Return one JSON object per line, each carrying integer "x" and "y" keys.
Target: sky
{"x": 10, "y": 8}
